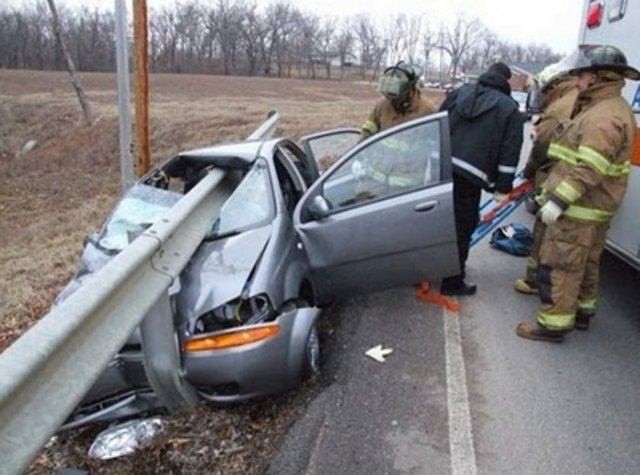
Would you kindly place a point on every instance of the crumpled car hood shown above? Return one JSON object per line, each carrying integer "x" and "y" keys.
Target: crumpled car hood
{"x": 218, "y": 272}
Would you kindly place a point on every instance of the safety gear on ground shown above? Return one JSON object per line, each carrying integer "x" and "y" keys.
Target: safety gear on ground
{"x": 599, "y": 58}
{"x": 531, "y": 331}
{"x": 486, "y": 132}
{"x": 500, "y": 197}
{"x": 514, "y": 239}
{"x": 550, "y": 213}
{"x": 384, "y": 115}
{"x": 525, "y": 286}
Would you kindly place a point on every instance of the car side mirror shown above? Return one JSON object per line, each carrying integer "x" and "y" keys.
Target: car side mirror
{"x": 319, "y": 208}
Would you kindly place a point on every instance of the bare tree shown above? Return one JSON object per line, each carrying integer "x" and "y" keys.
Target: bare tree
{"x": 460, "y": 38}
{"x": 252, "y": 30}
{"x": 241, "y": 37}
{"x": 326, "y": 44}
{"x": 345, "y": 41}
{"x": 429, "y": 43}
{"x": 84, "y": 102}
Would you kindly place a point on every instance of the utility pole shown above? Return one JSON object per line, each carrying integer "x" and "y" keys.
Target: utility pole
{"x": 140, "y": 33}
{"x": 57, "y": 31}
{"x": 124, "y": 95}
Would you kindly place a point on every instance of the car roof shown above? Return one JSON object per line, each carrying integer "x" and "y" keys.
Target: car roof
{"x": 234, "y": 155}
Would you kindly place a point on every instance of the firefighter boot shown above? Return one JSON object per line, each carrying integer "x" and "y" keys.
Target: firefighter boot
{"x": 525, "y": 286}
{"x": 535, "y": 331}
{"x": 582, "y": 321}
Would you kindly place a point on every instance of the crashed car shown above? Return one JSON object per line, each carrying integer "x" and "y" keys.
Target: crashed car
{"x": 287, "y": 241}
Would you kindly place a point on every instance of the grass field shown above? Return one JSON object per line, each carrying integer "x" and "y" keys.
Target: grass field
{"x": 62, "y": 190}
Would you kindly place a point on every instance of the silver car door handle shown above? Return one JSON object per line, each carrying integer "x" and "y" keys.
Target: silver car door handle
{"x": 426, "y": 206}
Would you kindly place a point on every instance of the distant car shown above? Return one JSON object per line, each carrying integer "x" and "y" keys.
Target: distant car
{"x": 286, "y": 241}
{"x": 521, "y": 98}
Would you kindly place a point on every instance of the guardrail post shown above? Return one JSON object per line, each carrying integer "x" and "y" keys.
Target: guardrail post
{"x": 162, "y": 362}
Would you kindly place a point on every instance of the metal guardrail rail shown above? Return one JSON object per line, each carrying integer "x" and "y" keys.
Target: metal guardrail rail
{"x": 47, "y": 371}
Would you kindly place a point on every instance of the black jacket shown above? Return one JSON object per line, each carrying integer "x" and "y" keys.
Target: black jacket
{"x": 486, "y": 132}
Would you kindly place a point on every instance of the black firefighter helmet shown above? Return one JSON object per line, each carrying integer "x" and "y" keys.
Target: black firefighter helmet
{"x": 599, "y": 58}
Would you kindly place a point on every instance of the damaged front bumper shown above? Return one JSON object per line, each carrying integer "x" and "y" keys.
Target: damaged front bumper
{"x": 262, "y": 368}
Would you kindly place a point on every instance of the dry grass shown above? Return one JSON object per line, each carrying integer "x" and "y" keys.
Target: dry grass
{"x": 53, "y": 196}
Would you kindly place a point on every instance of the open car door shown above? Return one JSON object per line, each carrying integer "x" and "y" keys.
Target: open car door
{"x": 326, "y": 147}
{"x": 382, "y": 216}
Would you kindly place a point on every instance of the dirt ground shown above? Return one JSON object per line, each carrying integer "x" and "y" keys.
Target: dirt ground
{"x": 54, "y": 195}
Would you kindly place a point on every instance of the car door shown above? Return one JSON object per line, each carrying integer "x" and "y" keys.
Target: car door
{"x": 326, "y": 147}
{"x": 382, "y": 216}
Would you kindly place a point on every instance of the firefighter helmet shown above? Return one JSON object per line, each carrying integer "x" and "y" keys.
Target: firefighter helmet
{"x": 599, "y": 58}
{"x": 399, "y": 80}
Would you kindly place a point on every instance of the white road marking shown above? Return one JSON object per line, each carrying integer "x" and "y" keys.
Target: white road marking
{"x": 463, "y": 456}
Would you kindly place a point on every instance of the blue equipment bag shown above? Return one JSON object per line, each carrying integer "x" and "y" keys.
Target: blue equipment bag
{"x": 513, "y": 238}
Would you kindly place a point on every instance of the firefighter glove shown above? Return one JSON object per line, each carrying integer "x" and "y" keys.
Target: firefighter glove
{"x": 550, "y": 213}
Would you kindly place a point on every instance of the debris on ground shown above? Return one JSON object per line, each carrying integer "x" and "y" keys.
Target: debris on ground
{"x": 125, "y": 438}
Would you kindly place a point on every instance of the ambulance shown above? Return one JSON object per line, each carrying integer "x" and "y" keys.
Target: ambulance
{"x": 617, "y": 23}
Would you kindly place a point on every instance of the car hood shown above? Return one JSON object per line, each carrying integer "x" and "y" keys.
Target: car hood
{"x": 218, "y": 271}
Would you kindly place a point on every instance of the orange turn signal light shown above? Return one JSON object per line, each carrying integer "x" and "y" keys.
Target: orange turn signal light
{"x": 231, "y": 339}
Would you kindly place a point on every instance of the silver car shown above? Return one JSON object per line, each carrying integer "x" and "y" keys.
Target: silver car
{"x": 287, "y": 241}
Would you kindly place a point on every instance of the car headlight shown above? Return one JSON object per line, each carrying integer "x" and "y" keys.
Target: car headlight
{"x": 236, "y": 312}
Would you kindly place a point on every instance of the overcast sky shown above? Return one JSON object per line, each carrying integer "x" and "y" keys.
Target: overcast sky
{"x": 552, "y": 22}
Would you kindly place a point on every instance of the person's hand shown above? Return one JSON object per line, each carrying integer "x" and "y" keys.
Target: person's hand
{"x": 550, "y": 213}
{"x": 499, "y": 197}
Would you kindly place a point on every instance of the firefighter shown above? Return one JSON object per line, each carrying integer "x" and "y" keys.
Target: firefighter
{"x": 486, "y": 136}
{"x": 583, "y": 192}
{"x": 394, "y": 170}
{"x": 557, "y": 91}
{"x": 402, "y": 100}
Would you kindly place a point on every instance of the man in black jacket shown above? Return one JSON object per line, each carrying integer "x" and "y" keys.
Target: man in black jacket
{"x": 486, "y": 136}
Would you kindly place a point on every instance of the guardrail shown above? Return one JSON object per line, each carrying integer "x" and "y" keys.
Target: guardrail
{"x": 46, "y": 372}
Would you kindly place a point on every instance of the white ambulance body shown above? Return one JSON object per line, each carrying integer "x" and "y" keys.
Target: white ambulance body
{"x": 617, "y": 23}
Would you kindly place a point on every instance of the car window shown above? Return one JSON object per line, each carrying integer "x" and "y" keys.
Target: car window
{"x": 394, "y": 164}
{"x": 328, "y": 149}
{"x": 290, "y": 194}
{"x": 250, "y": 205}
{"x": 139, "y": 208}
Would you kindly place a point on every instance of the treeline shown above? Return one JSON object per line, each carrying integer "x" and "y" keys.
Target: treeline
{"x": 236, "y": 37}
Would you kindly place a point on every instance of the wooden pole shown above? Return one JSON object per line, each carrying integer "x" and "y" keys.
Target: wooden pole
{"x": 75, "y": 80}
{"x": 141, "y": 85}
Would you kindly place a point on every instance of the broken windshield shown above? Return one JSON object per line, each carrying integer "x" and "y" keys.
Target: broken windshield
{"x": 137, "y": 210}
{"x": 250, "y": 205}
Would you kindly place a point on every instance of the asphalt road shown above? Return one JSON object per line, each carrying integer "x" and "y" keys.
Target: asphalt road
{"x": 461, "y": 393}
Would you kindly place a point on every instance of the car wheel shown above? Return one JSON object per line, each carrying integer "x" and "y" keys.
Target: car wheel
{"x": 312, "y": 353}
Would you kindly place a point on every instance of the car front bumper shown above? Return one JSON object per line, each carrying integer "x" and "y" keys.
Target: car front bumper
{"x": 263, "y": 368}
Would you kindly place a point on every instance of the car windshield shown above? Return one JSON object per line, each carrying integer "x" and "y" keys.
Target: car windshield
{"x": 136, "y": 211}
{"x": 250, "y": 204}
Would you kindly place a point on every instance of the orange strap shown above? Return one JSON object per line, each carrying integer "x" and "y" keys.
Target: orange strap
{"x": 424, "y": 294}
{"x": 522, "y": 189}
